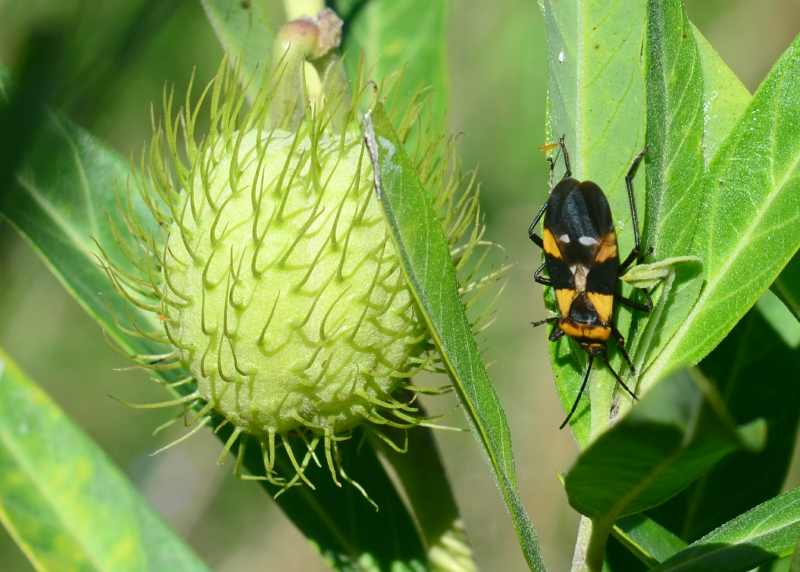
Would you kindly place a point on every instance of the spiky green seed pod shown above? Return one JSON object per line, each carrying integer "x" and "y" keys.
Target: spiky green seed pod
{"x": 274, "y": 277}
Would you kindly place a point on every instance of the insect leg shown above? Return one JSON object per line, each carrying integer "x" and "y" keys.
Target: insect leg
{"x": 646, "y": 307}
{"x": 619, "y": 379}
{"x": 556, "y": 334}
{"x": 539, "y": 279}
{"x": 580, "y": 392}
{"x": 567, "y": 168}
{"x": 621, "y": 345}
{"x": 537, "y": 240}
{"x": 635, "y": 254}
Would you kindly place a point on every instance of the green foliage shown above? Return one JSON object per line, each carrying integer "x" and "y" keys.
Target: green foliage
{"x": 425, "y": 257}
{"x": 63, "y": 501}
{"x": 387, "y": 37}
{"x": 646, "y": 539}
{"x": 654, "y": 452}
{"x": 678, "y": 478}
{"x": 752, "y": 351}
{"x": 721, "y": 212}
{"x": 748, "y": 221}
{"x": 246, "y": 33}
{"x": 787, "y": 286}
{"x": 597, "y": 102}
{"x": 767, "y": 532}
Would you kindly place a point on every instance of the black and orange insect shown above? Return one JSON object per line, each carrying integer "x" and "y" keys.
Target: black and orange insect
{"x": 583, "y": 267}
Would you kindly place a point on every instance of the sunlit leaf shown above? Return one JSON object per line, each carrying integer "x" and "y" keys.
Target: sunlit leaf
{"x": 725, "y": 98}
{"x": 596, "y": 100}
{"x": 64, "y": 502}
{"x": 765, "y": 533}
{"x": 646, "y": 539}
{"x": 426, "y": 262}
{"x": 748, "y": 219}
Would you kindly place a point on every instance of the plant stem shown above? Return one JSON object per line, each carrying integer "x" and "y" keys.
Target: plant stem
{"x": 596, "y": 551}
{"x": 581, "y": 545}
{"x": 300, "y": 8}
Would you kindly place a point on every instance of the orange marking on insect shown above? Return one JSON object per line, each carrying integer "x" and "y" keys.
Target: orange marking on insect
{"x": 550, "y": 244}
{"x": 603, "y": 304}
{"x": 564, "y": 297}
{"x": 573, "y": 330}
{"x": 607, "y": 248}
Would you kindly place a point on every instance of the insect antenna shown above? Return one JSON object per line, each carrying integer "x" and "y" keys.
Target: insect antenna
{"x": 618, "y": 378}
{"x": 580, "y": 392}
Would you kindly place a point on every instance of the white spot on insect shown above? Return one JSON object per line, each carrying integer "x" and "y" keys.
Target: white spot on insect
{"x": 588, "y": 241}
{"x": 561, "y": 57}
{"x": 564, "y": 238}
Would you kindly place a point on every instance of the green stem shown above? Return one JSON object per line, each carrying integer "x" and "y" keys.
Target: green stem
{"x": 595, "y": 553}
{"x": 302, "y": 8}
{"x": 581, "y": 545}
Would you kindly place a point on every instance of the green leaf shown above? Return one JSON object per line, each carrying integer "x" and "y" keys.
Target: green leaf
{"x": 787, "y": 286}
{"x": 765, "y": 533}
{"x": 674, "y": 130}
{"x": 596, "y": 99}
{"x": 66, "y": 196}
{"x": 674, "y": 170}
{"x": 389, "y": 37}
{"x": 646, "y": 539}
{"x": 654, "y": 452}
{"x": 779, "y": 316}
{"x": 725, "y": 98}
{"x": 246, "y": 32}
{"x": 63, "y": 501}
{"x": 431, "y": 498}
{"x": 425, "y": 258}
{"x": 744, "y": 479}
{"x": 749, "y": 218}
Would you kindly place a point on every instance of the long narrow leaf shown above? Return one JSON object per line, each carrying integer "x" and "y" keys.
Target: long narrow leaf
{"x": 675, "y": 166}
{"x": 596, "y": 100}
{"x": 246, "y": 33}
{"x": 647, "y": 540}
{"x": 767, "y": 532}
{"x": 64, "y": 502}
{"x": 425, "y": 257}
{"x": 725, "y": 97}
{"x": 749, "y": 217}
{"x": 787, "y": 286}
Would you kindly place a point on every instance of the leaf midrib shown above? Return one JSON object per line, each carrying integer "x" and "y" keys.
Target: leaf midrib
{"x": 749, "y": 538}
{"x": 718, "y": 276}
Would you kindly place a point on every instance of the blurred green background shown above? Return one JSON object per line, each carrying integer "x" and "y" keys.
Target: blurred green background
{"x": 115, "y": 60}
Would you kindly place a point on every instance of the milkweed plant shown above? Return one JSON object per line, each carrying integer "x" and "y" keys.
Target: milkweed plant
{"x": 297, "y": 255}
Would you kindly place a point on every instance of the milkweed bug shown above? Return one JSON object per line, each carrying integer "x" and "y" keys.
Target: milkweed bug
{"x": 582, "y": 263}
